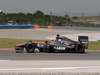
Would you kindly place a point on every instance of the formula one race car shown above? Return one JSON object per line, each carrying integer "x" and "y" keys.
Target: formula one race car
{"x": 60, "y": 44}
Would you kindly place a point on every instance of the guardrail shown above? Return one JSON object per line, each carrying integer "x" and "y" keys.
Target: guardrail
{"x": 77, "y": 28}
{"x": 25, "y": 26}
{"x": 72, "y": 27}
{"x": 15, "y": 26}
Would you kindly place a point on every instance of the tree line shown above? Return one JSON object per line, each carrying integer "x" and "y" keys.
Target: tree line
{"x": 34, "y": 18}
{"x": 42, "y": 19}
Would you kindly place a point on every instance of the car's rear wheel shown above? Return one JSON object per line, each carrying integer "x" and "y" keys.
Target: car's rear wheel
{"x": 80, "y": 49}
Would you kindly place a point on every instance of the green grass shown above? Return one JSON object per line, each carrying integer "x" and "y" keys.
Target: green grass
{"x": 94, "y": 45}
{"x": 10, "y": 43}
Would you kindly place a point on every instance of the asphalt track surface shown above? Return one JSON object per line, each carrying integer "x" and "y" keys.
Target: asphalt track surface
{"x": 9, "y": 53}
{"x": 12, "y": 63}
{"x": 49, "y": 56}
{"x": 50, "y": 63}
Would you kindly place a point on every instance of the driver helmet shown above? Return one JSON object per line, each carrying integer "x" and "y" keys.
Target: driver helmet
{"x": 58, "y": 35}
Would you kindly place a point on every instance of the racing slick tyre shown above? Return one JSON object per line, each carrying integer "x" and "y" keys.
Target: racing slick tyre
{"x": 30, "y": 48}
{"x": 80, "y": 49}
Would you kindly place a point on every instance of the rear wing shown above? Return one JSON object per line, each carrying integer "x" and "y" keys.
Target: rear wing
{"x": 83, "y": 39}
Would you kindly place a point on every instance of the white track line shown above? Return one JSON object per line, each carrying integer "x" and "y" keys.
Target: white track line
{"x": 62, "y": 68}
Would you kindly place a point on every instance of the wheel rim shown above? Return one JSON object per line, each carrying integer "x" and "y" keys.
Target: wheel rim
{"x": 30, "y": 48}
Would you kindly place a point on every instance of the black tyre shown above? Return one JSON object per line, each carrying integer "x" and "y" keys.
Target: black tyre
{"x": 80, "y": 49}
{"x": 30, "y": 48}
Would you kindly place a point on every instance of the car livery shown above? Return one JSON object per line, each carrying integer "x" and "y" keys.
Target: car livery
{"x": 63, "y": 44}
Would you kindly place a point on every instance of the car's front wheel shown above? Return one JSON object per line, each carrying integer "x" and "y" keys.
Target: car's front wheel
{"x": 30, "y": 48}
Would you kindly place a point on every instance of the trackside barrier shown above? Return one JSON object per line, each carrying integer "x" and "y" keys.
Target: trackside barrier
{"x": 15, "y": 26}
